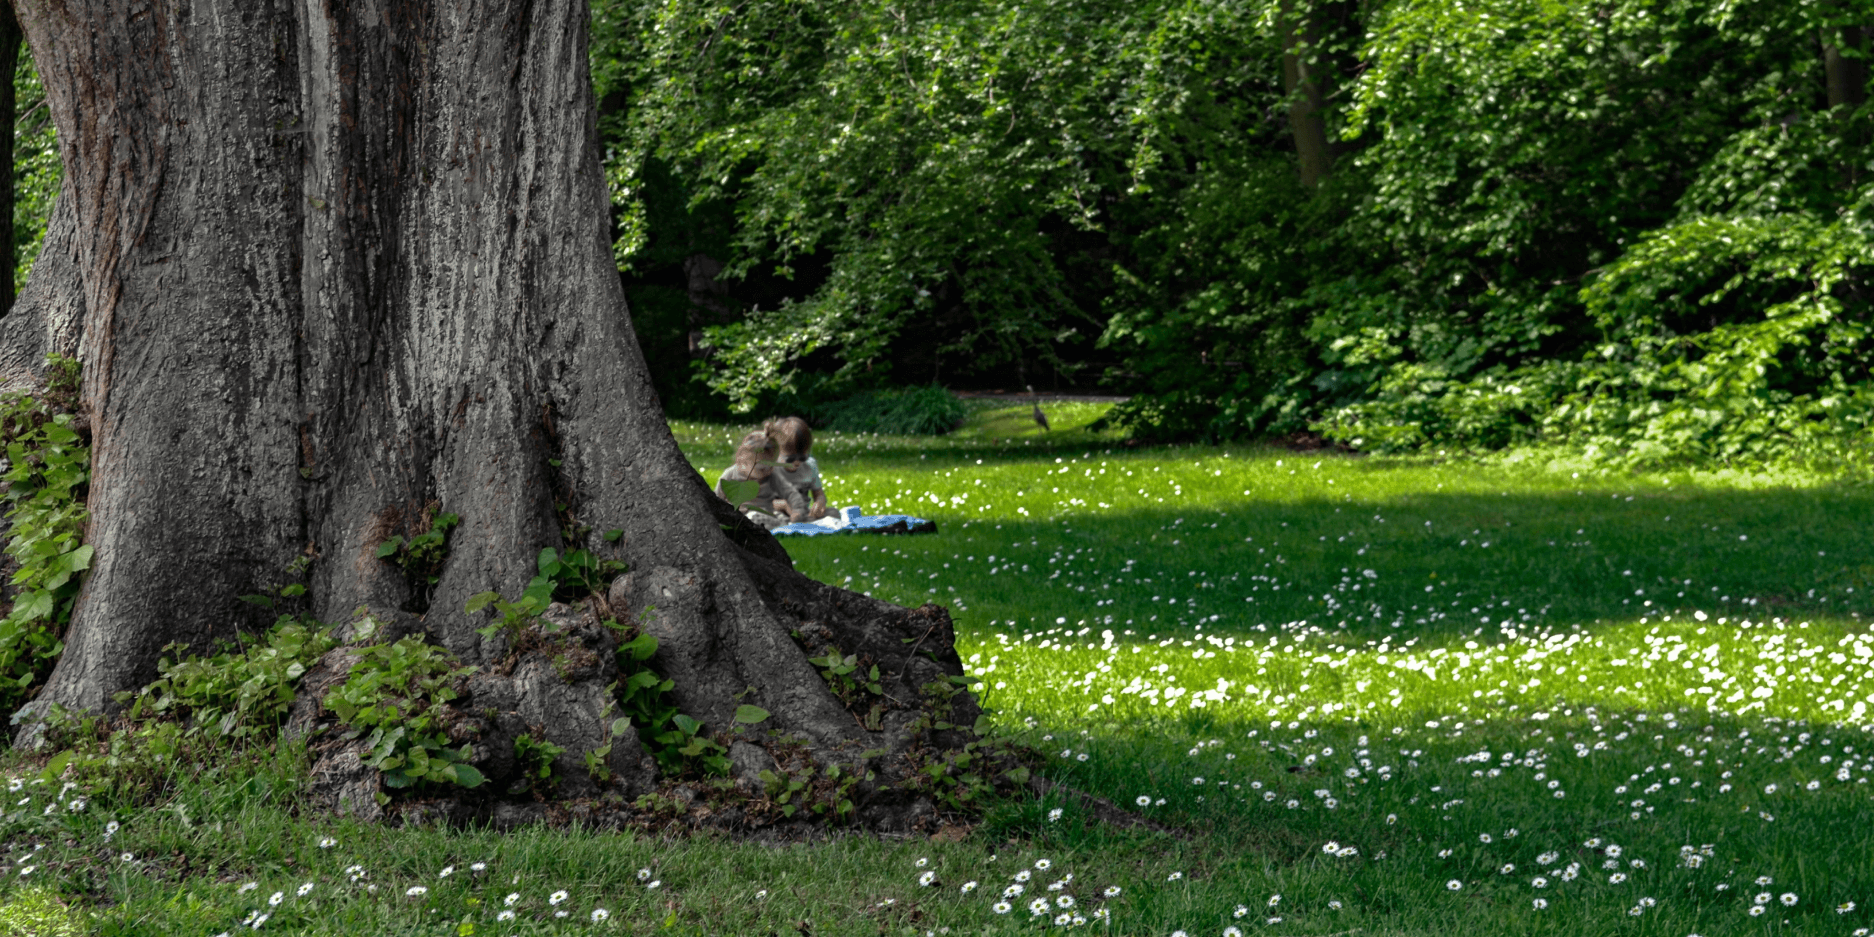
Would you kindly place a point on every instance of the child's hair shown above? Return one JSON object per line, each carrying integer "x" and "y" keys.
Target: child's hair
{"x": 755, "y": 447}
{"x": 792, "y": 434}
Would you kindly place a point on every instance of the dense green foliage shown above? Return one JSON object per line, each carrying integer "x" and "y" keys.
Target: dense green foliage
{"x": 1638, "y": 229}
{"x": 241, "y": 692}
{"x": 390, "y": 698}
{"x": 671, "y": 737}
{"x": 914, "y": 411}
{"x": 1635, "y": 227}
{"x": 48, "y": 466}
{"x": 37, "y": 172}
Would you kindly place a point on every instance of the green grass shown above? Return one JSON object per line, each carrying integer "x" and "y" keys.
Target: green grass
{"x": 1679, "y": 657}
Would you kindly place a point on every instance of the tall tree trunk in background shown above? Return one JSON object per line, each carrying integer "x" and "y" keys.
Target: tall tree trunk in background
{"x": 1305, "y": 98}
{"x": 340, "y": 264}
{"x": 9, "y": 106}
{"x": 1843, "y": 61}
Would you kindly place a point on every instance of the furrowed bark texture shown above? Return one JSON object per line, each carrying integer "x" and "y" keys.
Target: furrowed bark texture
{"x": 340, "y": 264}
{"x": 9, "y": 112}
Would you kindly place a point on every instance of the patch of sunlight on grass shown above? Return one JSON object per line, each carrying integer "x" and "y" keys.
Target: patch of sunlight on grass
{"x": 35, "y": 912}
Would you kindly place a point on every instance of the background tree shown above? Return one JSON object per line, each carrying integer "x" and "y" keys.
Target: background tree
{"x": 953, "y": 186}
{"x": 336, "y": 268}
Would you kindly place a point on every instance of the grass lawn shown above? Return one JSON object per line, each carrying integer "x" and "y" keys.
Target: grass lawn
{"x": 1379, "y": 697}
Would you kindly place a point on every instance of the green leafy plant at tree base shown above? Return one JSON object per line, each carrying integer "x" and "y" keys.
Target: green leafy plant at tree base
{"x": 854, "y": 683}
{"x": 828, "y": 792}
{"x": 390, "y": 698}
{"x": 675, "y": 740}
{"x": 669, "y": 735}
{"x": 421, "y": 557}
{"x": 569, "y": 575}
{"x": 966, "y": 779}
{"x": 48, "y": 468}
{"x": 535, "y": 757}
{"x": 239, "y": 693}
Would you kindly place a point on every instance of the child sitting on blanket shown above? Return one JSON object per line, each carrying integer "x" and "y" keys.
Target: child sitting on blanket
{"x": 798, "y": 469}
{"x": 754, "y": 462}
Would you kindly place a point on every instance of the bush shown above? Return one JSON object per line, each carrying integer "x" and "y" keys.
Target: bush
{"x": 48, "y": 470}
{"x": 915, "y": 411}
{"x": 241, "y": 692}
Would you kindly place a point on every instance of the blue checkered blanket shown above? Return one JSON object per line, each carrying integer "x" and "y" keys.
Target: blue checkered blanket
{"x": 850, "y": 520}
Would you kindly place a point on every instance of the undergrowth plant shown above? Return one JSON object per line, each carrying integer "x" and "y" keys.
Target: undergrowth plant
{"x": 421, "y": 556}
{"x": 225, "y": 708}
{"x": 572, "y": 574}
{"x": 48, "y": 467}
{"x": 239, "y": 693}
{"x": 535, "y": 757}
{"x": 390, "y": 699}
{"x": 673, "y": 739}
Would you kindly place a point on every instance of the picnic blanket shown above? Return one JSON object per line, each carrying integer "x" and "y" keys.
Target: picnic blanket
{"x": 852, "y": 520}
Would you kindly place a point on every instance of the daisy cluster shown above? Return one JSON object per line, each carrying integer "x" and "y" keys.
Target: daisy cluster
{"x": 1490, "y": 804}
{"x": 1042, "y": 892}
{"x": 1724, "y": 667}
{"x": 467, "y": 892}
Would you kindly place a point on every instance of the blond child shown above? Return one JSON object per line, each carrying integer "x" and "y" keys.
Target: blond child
{"x": 755, "y": 461}
{"x": 798, "y": 470}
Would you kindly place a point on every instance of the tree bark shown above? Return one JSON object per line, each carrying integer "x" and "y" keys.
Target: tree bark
{"x": 341, "y": 263}
{"x": 1845, "y": 65}
{"x": 9, "y": 107}
{"x": 1305, "y": 98}
{"x": 1847, "y": 73}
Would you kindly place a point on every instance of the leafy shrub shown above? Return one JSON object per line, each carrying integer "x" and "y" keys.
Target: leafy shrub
{"x": 48, "y": 468}
{"x": 421, "y": 557}
{"x": 1729, "y": 339}
{"x": 672, "y": 738}
{"x": 220, "y": 710}
{"x": 240, "y": 693}
{"x": 391, "y": 698}
{"x": 1725, "y": 339}
{"x": 571, "y": 575}
{"x": 914, "y": 411}
{"x": 535, "y": 757}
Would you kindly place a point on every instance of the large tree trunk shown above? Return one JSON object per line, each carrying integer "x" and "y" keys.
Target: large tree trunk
{"x": 338, "y": 262}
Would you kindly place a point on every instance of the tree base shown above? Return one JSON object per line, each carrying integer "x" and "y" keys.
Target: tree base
{"x": 909, "y": 760}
